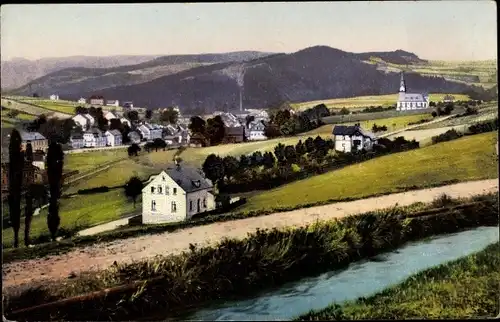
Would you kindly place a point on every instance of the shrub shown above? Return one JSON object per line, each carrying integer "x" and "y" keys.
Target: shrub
{"x": 447, "y": 136}
{"x": 100, "y": 189}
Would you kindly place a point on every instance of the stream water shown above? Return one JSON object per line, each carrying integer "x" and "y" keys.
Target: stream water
{"x": 360, "y": 279}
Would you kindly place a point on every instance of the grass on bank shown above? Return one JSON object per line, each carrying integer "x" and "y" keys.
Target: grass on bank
{"x": 86, "y": 161}
{"x": 469, "y": 158}
{"x": 462, "y": 289}
{"x": 236, "y": 267}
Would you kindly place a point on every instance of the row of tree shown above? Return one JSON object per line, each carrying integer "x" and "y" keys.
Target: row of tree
{"x": 17, "y": 162}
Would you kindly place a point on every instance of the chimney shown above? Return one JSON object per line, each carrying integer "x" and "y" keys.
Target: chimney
{"x": 241, "y": 100}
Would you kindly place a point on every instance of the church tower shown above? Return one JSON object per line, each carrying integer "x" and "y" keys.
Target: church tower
{"x": 402, "y": 84}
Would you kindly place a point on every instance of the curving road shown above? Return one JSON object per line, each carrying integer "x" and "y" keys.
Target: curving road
{"x": 103, "y": 255}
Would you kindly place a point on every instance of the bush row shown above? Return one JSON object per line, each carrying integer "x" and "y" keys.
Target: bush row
{"x": 265, "y": 258}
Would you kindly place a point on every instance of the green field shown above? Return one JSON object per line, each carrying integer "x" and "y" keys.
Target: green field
{"x": 78, "y": 212}
{"x": 86, "y": 161}
{"x": 468, "y": 158}
{"x": 392, "y": 123}
{"x": 462, "y": 289}
{"x": 366, "y": 101}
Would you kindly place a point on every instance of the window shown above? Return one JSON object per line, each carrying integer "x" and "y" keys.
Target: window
{"x": 205, "y": 202}
{"x": 166, "y": 191}
{"x": 190, "y": 205}
{"x": 356, "y": 143}
{"x": 174, "y": 206}
{"x": 152, "y": 189}
{"x": 159, "y": 189}
{"x": 153, "y": 205}
{"x": 163, "y": 178}
{"x": 175, "y": 191}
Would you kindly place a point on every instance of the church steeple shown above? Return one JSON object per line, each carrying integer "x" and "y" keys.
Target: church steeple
{"x": 402, "y": 84}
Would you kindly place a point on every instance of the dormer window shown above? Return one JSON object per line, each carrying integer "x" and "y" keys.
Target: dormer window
{"x": 196, "y": 183}
{"x": 163, "y": 178}
{"x": 174, "y": 191}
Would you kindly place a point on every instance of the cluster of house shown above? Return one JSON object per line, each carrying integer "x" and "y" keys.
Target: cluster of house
{"x": 237, "y": 128}
{"x": 33, "y": 172}
{"x": 100, "y": 101}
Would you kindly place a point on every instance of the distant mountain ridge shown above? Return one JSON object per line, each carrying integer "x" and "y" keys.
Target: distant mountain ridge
{"x": 17, "y": 72}
{"x": 211, "y": 81}
{"x": 78, "y": 79}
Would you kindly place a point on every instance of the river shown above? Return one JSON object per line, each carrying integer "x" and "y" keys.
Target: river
{"x": 360, "y": 279}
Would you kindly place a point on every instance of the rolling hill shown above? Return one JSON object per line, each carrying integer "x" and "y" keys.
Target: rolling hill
{"x": 211, "y": 81}
{"x": 314, "y": 73}
{"x": 18, "y": 72}
{"x": 78, "y": 79}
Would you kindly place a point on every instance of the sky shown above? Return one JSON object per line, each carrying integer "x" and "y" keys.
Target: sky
{"x": 437, "y": 30}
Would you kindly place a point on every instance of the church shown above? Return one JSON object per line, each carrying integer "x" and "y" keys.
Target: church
{"x": 410, "y": 101}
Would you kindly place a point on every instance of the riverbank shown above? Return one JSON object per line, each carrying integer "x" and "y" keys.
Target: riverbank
{"x": 463, "y": 289}
{"x": 237, "y": 267}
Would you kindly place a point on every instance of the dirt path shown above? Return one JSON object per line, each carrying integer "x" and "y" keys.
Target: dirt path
{"x": 103, "y": 255}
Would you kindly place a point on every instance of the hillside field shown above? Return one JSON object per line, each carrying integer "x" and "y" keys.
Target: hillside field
{"x": 468, "y": 158}
{"x": 366, "y": 101}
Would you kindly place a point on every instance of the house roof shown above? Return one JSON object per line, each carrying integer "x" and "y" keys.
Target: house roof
{"x": 412, "y": 97}
{"x": 189, "y": 179}
{"x": 239, "y": 130}
{"x": 351, "y": 130}
{"x": 115, "y": 132}
{"x": 256, "y": 126}
{"x": 31, "y": 136}
{"x": 77, "y": 136}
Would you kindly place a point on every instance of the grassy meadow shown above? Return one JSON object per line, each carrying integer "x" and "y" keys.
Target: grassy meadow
{"x": 366, "y": 101}
{"x": 78, "y": 212}
{"x": 87, "y": 161}
{"x": 392, "y": 123}
{"x": 462, "y": 289}
{"x": 468, "y": 158}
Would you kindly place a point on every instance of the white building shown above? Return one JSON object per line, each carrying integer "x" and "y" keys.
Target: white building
{"x": 54, "y": 97}
{"x": 94, "y": 138}
{"x": 96, "y": 100}
{"x": 82, "y": 100}
{"x": 113, "y": 103}
{"x": 110, "y": 115}
{"x": 150, "y": 132}
{"x": 352, "y": 138}
{"x": 85, "y": 121}
{"x": 176, "y": 195}
{"x": 113, "y": 137}
{"x": 76, "y": 141}
{"x": 256, "y": 131}
{"x": 410, "y": 101}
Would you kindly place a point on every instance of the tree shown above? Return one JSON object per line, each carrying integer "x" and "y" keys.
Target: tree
{"x": 309, "y": 145}
{"x": 125, "y": 132}
{"x": 16, "y": 164}
{"x": 269, "y": 160}
{"x": 81, "y": 110}
{"x": 197, "y": 125}
{"x": 231, "y": 166}
{"x": 159, "y": 144}
{"x": 55, "y": 164}
{"x": 132, "y": 115}
{"x": 148, "y": 114}
{"x": 28, "y": 214}
{"x": 271, "y": 131}
{"x": 281, "y": 117}
{"x": 344, "y": 111}
{"x": 244, "y": 162}
{"x": 133, "y": 150}
{"x": 257, "y": 158}
{"x": 213, "y": 167}
{"x": 215, "y": 130}
{"x": 116, "y": 124}
{"x": 29, "y": 153}
{"x": 249, "y": 119}
{"x": 13, "y": 113}
{"x": 170, "y": 115}
{"x": 133, "y": 188}
{"x": 290, "y": 155}
{"x": 279, "y": 152}
{"x": 300, "y": 148}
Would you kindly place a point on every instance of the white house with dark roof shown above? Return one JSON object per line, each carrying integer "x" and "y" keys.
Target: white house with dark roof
{"x": 150, "y": 132}
{"x": 54, "y": 97}
{"x": 176, "y": 194}
{"x": 352, "y": 138}
{"x": 256, "y": 131}
{"x": 82, "y": 100}
{"x": 113, "y": 137}
{"x": 94, "y": 138}
{"x": 410, "y": 101}
{"x": 76, "y": 141}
